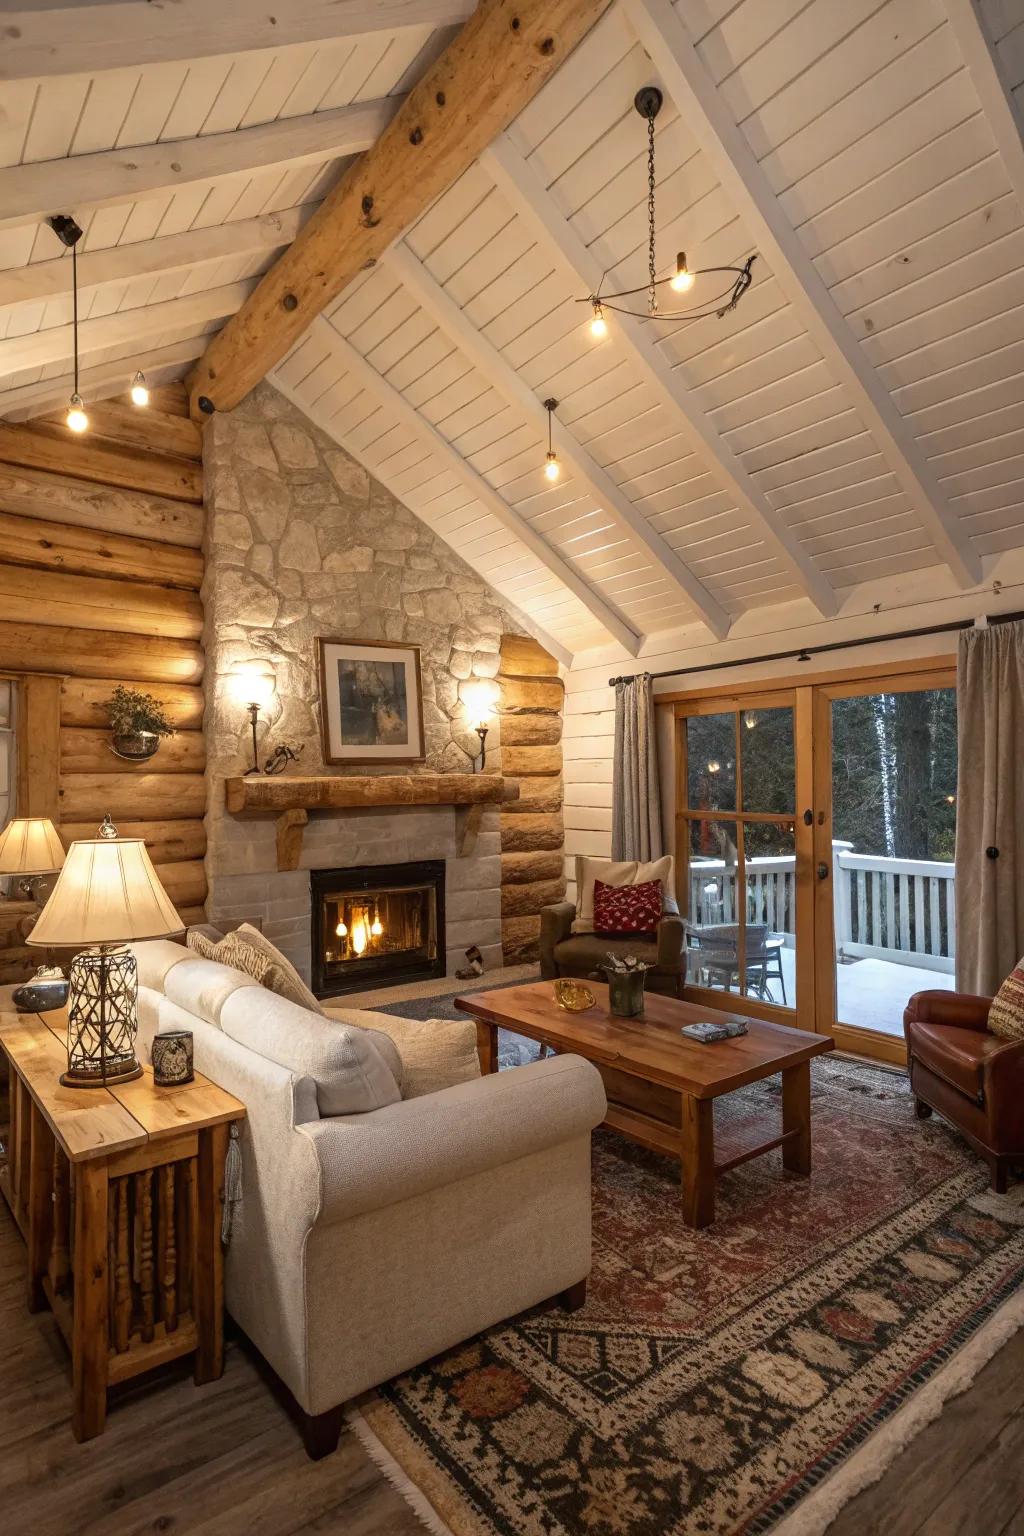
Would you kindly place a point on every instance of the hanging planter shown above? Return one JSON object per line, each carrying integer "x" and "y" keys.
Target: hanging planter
{"x": 137, "y": 723}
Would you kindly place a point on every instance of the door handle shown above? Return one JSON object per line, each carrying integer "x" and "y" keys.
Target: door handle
{"x": 822, "y": 871}
{"x": 808, "y": 818}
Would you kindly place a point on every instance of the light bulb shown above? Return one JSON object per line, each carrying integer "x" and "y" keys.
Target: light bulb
{"x": 376, "y": 927}
{"x": 341, "y": 930}
{"x": 76, "y": 418}
{"x": 139, "y": 392}
{"x": 714, "y": 767}
{"x": 552, "y": 468}
{"x": 598, "y": 325}
{"x": 683, "y": 279}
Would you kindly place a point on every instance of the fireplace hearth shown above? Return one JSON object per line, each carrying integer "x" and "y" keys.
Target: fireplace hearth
{"x": 375, "y": 924}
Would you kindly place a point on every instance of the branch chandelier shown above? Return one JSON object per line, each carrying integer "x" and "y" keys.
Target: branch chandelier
{"x": 69, "y": 233}
{"x": 737, "y": 280}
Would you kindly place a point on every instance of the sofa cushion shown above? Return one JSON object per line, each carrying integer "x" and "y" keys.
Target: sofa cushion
{"x": 369, "y": 1023}
{"x": 956, "y": 1055}
{"x": 1006, "y": 1015}
{"x": 350, "y": 1071}
{"x": 620, "y": 909}
{"x": 203, "y": 987}
{"x": 280, "y": 975}
{"x": 200, "y": 943}
{"x": 155, "y": 958}
{"x": 631, "y": 872}
{"x": 435, "y": 1053}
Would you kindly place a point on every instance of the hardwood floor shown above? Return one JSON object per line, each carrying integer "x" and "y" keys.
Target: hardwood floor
{"x": 225, "y": 1460}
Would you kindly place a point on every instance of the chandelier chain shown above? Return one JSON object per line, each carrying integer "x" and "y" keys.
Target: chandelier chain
{"x": 652, "y": 270}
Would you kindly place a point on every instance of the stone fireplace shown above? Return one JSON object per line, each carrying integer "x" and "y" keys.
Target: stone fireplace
{"x": 377, "y": 924}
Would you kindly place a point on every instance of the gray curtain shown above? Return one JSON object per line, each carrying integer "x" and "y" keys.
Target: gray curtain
{"x": 636, "y": 792}
{"x": 990, "y": 806}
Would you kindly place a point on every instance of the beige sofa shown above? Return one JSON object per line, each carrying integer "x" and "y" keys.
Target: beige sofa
{"x": 373, "y": 1231}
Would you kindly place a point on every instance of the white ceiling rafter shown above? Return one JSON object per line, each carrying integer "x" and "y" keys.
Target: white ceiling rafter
{"x": 81, "y": 35}
{"x": 41, "y": 280}
{"x": 161, "y": 365}
{"x": 996, "y": 98}
{"x": 531, "y": 200}
{"x": 503, "y": 377}
{"x": 387, "y": 395}
{"x": 712, "y": 123}
{"x": 32, "y": 192}
{"x": 56, "y": 344}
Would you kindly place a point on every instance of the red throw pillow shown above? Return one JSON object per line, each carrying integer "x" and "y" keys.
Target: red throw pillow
{"x": 627, "y": 908}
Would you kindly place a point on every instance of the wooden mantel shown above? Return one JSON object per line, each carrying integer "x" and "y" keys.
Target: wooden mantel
{"x": 292, "y": 798}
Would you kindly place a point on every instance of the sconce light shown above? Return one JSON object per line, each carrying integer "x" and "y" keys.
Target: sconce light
{"x": 478, "y": 701}
{"x": 252, "y": 685}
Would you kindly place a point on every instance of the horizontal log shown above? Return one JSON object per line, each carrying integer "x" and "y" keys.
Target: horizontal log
{"x": 531, "y": 834}
{"x": 191, "y": 916}
{"x": 185, "y": 884}
{"x": 12, "y": 915}
{"x": 536, "y": 795}
{"x": 351, "y": 793}
{"x": 530, "y": 730}
{"x": 522, "y": 656}
{"x": 523, "y": 762}
{"x": 529, "y": 900}
{"x": 169, "y": 399}
{"x": 521, "y": 868}
{"x": 58, "y": 498}
{"x": 145, "y": 427}
{"x": 19, "y": 963}
{"x": 148, "y": 797}
{"x": 90, "y": 602}
{"x": 168, "y": 842}
{"x": 57, "y": 450}
{"x": 520, "y": 939}
{"x": 530, "y": 696}
{"x": 94, "y": 653}
{"x": 88, "y": 749}
{"x": 83, "y": 701}
{"x": 89, "y": 552}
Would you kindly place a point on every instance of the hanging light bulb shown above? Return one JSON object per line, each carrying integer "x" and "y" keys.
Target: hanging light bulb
{"x": 376, "y": 927}
{"x": 342, "y": 931}
{"x": 552, "y": 468}
{"x": 139, "y": 392}
{"x": 683, "y": 279}
{"x": 598, "y": 325}
{"x": 76, "y": 418}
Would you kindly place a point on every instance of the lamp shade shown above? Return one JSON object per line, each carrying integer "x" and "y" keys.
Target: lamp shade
{"x": 107, "y": 893}
{"x": 29, "y": 845}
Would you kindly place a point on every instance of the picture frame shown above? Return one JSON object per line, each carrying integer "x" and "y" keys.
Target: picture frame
{"x": 371, "y": 702}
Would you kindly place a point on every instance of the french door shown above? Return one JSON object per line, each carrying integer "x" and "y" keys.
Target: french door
{"x": 814, "y": 839}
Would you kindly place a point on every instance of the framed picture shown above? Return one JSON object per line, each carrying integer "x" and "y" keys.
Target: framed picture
{"x": 371, "y": 702}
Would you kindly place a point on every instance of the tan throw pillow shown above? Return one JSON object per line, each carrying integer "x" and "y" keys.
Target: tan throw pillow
{"x": 201, "y": 944}
{"x": 629, "y": 873}
{"x": 1006, "y": 1015}
{"x": 280, "y": 975}
{"x": 242, "y": 957}
{"x": 436, "y": 1053}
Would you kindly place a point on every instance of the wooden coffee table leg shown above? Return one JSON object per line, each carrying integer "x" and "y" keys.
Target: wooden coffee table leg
{"x": 487, "y": 1045}
{"x": 697, "y": 1150}
{"x": 796, "y": 1116}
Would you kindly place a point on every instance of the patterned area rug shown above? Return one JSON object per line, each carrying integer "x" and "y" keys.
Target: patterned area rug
{"x": 715, "y": 1378}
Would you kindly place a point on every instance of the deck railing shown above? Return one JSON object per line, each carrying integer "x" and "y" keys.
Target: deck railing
{"x": 901, "y": 910}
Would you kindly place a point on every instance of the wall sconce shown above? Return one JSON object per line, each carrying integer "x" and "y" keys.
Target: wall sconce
{"x": 252, "y": 685}
{"x": 478, "y": 701}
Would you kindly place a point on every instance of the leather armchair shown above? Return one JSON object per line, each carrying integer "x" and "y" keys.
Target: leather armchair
{"x": 972, "y": 1078}
{"x": 564, "y": 953}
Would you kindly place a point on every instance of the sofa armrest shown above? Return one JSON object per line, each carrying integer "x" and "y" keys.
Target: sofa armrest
{"x": 671, "y": 942}
{"x": 555, "y": 926}
{"x": 404, "y": 1150}
{"x": 962, "y": 1010}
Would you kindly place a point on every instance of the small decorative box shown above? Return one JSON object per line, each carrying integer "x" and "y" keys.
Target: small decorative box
{"x": 172, "y": 1058}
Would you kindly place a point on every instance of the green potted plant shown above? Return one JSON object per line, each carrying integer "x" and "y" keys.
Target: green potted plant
{"x": 137, "y": 722}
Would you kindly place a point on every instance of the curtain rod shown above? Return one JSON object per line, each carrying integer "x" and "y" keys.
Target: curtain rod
{"x": 807, "y": 651}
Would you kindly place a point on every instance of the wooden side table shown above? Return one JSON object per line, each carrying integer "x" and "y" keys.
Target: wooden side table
{"x": 118, "y": 1193}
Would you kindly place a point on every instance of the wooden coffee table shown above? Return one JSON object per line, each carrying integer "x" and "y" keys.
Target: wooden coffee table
{"x": 661, "y": 1087}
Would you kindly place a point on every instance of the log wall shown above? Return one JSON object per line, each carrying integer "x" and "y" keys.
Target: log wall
{"x": 100, "y": 570}
{"x": 532, "y": 832}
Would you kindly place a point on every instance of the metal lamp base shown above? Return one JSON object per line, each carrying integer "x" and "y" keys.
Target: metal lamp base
{"x": 102, "y": 1022}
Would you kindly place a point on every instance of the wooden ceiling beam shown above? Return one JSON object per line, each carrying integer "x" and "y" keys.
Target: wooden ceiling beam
{"x": 704, "y": 111}
{"x": 484, "y": 78}
{"x": 425, "y": 432}
{"x": 160, "y": 365}
{"x": 80, "y": 36}
{"x": 982, "y": 60}
{"x": 41, "y": 280}
{"x": 501, "y": 375}
{"x": 532, "y": 201}
{"x": 33, "y": 192}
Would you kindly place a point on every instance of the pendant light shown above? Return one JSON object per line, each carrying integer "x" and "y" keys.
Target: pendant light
{"x": 139, "y": 390}
{"x": 552, "y": 468}
{"x": 69, "y": 233}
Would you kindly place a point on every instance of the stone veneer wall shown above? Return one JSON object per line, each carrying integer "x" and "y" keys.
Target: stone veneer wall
{"x": 302, "y": 542}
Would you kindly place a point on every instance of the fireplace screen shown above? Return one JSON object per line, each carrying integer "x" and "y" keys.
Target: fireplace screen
{"x": 380, "y": 923}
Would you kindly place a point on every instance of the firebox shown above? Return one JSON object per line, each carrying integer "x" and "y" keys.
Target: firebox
{"x": 381, "y": 922}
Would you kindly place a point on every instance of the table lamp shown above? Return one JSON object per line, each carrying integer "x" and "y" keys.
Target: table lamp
{"x": 107, "y": 895}
{"x": 30, "y": 847}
